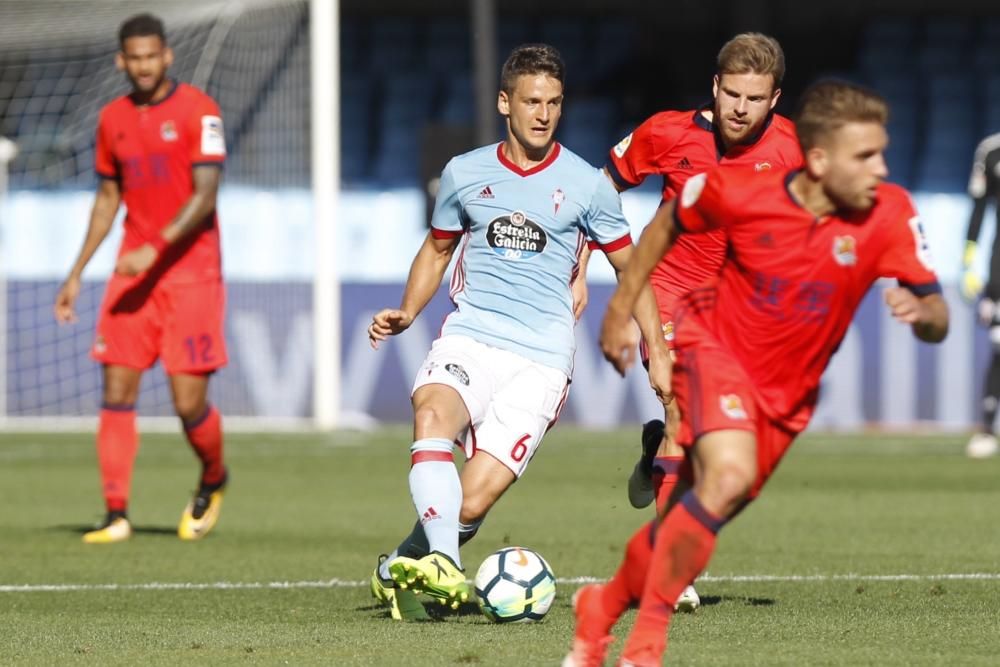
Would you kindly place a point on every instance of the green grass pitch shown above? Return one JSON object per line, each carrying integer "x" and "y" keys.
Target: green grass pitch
{"x": 876, "y": 527}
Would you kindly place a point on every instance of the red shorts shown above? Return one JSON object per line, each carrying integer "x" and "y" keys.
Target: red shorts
{"x": 181, "y": 325}
{"x": 713, "y": 394}
{"x": 665, "y": 304}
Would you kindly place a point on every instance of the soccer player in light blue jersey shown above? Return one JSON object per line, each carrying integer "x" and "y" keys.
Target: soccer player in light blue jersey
{"x": 519, "y": 213}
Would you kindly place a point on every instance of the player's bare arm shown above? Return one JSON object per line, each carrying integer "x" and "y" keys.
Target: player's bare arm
{"x": 199, "y": 206}
{"x": 425, "y": 277}
{"x": 102, "y": 215}
{"x": 616, "y": 337}
{"x": 928, "y": 315}
{"x": 647, "y": 315}
{"x": 581, "y": 295}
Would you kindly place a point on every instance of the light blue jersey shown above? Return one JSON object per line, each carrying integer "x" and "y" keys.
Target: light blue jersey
{"x": 523, "y": 232}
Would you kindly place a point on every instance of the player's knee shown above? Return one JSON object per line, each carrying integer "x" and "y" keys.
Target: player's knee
{"x": 428, "y": 418}
{"x": 119, "y": 391}
{"x": 190, "y": 407}
{"x": 728, "y": 484}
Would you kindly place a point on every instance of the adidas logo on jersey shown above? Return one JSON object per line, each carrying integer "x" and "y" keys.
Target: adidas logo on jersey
{"x": 684, "y": 163}
{"x": 486, "y": 193}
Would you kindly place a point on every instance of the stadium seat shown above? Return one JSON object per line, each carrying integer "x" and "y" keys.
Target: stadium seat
{"x": 894, "y": 31}
{"x": 948, "y": 31}
{"x": 394, "y": 45}
{"x": 398, "y": 159}
{"x": 512, "y": 32}
{"x": 447, "y": 47}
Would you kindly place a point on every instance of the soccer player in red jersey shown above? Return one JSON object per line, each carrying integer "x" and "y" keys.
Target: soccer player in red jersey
{"x": 804, "y": 246}
{"x": 739, "y": 129}
{"x": 160, "y": 150}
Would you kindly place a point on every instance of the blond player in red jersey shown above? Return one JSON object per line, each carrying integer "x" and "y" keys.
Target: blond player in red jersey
{"x": 739, "y": 129}
{"x": 160, "y": 150}
{"x": 804, "y": 246}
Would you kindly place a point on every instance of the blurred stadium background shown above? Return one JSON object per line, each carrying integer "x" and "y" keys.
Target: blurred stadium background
{"x": 408, "y": 99}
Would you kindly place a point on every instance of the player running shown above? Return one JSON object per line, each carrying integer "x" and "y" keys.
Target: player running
{"x": 498, "y": 375}
{"x": 741, "y": 130}
{"x": 804, "y": 248}
{"x": 160, "y": 150}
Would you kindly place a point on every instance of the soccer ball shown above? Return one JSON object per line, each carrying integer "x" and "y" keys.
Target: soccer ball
{"x": 514, "y": 585}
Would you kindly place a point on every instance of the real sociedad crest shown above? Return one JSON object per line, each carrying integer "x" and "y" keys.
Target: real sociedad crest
{"x": 845, "y": 250}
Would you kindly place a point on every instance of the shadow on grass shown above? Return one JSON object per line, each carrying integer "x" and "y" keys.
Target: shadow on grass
{"x": 136, "y": 530}
{"x": 436, "y": 611}
{"x": 710, "y": 600}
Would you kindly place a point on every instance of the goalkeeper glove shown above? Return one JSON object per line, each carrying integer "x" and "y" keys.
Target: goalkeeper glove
{"x": 971, "y": 284}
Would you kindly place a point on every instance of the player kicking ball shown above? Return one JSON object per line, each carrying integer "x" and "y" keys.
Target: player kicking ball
{"x": 495, "y": 380}
{"x": 804, "y": 248}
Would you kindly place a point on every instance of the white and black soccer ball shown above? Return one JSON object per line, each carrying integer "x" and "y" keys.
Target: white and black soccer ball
{"x": 515, "y": 584}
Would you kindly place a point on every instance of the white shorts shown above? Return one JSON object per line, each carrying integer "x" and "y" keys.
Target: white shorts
{"x": 512, "y": 401}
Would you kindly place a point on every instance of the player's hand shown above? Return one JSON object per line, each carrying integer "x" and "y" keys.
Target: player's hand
{"x": 581, "y": 295}
{"x": 64, "y": 307}
{"x": 970, "y": 286}
{"x": 388, "y": 322}
{"x": 661, "y": 368}
{"x": 137, "y": 261}
{"x": 619, "y": 338}
{"x": 904, "y": 305}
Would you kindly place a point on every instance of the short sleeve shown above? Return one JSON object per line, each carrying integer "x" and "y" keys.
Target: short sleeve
{"x": 206, "y": 135}
{"x": 104, "y": 159}
{"x": 448, "y": 217}
{"x": 634, "y": 157}
{"x": 701, "y": 206}
{"x": 605, "y": 223}
{"x": 907, "y": 256}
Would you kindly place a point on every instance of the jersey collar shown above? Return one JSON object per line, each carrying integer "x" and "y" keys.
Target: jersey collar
{"x": 556, "y": 148}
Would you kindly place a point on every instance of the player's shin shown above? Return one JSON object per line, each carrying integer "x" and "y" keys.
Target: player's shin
{"x": 117, "y": 444}
{"x": 437, "y": 494}
{"x": 684, "y": 544}
{"x": 204, "y": 433}
{"x": 626, "y": 586}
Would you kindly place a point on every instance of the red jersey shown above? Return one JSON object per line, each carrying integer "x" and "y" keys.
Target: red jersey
{"x": 791, "y": 282}
{"x": 151, "y": 151}
{"x": 678, "y": 145}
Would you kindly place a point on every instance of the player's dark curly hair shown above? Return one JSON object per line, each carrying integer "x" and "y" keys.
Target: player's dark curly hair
{"x": 141, "y": 25}
{"x": 829, "y": 104}
{"x": 531, "y": 59}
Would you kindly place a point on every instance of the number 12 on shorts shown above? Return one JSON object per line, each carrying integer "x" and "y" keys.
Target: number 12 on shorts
{"x": 199, "y": 349}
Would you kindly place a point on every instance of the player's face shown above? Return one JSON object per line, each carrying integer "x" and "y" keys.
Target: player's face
{"x": 851, "y": 164}
{"x": 742, "y": 103}
{"x": 532, "y": 110}
{"x": 145, "y": 61}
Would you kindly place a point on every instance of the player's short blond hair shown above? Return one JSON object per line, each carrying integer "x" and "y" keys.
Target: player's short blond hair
{"x": 752, "y": 53}
{"x": 828, "y": 105}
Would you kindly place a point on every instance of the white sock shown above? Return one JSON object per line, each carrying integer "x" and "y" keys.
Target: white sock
{"x": 437, "y": 494}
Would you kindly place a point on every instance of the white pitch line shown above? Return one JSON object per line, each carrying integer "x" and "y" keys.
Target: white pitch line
{"x": 347, "y": 583}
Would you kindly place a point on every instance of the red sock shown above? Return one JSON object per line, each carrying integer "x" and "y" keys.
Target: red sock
{"x": 626, "y": 586}
{"x": 117, "y": 444}
{"x": 684, "y": 543}
{"x": 205, "y": 436}
{"x": 666, "y": 472}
